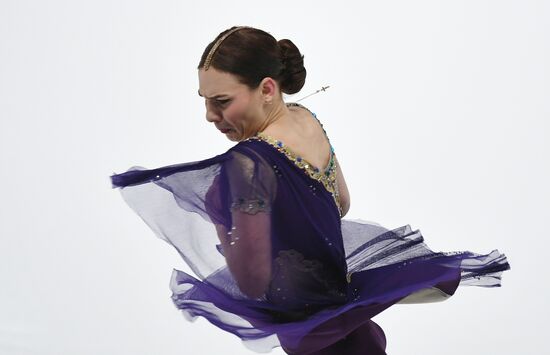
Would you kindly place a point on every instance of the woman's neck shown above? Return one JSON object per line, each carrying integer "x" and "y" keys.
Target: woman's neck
{"x": 278, "y": 114}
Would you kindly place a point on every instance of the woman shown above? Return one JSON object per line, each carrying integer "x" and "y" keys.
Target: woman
{"x": 261, "y": 224}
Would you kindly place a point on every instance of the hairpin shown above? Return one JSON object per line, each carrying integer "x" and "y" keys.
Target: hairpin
{"x": 321, "y": 89}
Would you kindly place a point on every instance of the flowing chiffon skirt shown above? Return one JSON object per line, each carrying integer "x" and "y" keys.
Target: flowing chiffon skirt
{"x": 363, "y": 267}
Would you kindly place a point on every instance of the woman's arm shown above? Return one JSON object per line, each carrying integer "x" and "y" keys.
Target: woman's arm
{"x": 247, "y": 251}
{"x": 342, "y": 188}
{"x": 239, "y": 204}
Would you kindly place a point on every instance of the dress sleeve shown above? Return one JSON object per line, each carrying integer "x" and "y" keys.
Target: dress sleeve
{"x": 252, "y": 183}
{"x": 250, "y": 189}
{"x": 215, "y": 212}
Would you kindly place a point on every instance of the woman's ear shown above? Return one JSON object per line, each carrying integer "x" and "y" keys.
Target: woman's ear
{"x": 269, "y": 89}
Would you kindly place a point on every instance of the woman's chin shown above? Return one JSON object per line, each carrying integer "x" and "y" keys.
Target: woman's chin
{"x": 232, "y": 136}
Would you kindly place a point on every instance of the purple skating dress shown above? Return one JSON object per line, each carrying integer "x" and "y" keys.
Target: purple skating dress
{"x": 329, "y": 276}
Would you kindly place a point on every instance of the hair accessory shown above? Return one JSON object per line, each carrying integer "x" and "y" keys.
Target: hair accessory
{"x": 217, "y": 44}
{"x": 321, "y": 89}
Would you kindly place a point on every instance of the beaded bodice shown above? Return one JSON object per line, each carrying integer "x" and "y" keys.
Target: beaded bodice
{"x": 326, "y": 176}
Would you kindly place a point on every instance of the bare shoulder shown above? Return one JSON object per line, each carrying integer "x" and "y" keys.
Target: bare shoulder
{"x": 302, "y": 131}
{"x": 309, "y": 126}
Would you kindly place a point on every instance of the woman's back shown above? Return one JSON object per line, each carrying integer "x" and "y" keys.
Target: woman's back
{"x": 305, "y": 138}
{"x": 303, "y": 135}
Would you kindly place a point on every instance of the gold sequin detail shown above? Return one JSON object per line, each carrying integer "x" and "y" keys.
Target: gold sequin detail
{"x": 327, "y": 177}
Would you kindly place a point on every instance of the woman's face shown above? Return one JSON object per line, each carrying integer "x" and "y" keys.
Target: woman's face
{"x": 233, "y": 108}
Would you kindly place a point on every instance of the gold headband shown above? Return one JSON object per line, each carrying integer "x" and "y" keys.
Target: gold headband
{"x": 217, "y": 44}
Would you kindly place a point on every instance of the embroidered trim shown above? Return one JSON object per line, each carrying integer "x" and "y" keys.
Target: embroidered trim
{"x": 250, "y": 206}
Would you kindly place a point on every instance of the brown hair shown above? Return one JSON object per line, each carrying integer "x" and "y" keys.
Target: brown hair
{"x": 252, "y": 54}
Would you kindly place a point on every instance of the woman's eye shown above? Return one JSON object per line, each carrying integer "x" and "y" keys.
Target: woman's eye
{"x": 218, "y": 103}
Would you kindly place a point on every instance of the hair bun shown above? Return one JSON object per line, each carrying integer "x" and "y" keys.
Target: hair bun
{"x": 252, "y": 55}
{"x": 293, "y": 75}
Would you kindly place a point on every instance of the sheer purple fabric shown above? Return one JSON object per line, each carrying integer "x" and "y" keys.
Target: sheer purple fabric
{"x": 274, "y": 263}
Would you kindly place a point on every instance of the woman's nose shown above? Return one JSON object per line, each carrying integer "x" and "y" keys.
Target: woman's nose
{"x": 212, "y": 115}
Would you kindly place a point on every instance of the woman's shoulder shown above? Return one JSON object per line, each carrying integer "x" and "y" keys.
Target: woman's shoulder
{"x": 249, "y": 149}
{"x": 310, "y": 125}
{"x": 301, "y": 107}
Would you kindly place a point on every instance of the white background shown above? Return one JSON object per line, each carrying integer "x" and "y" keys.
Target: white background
{"x": 438, "y": 111}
